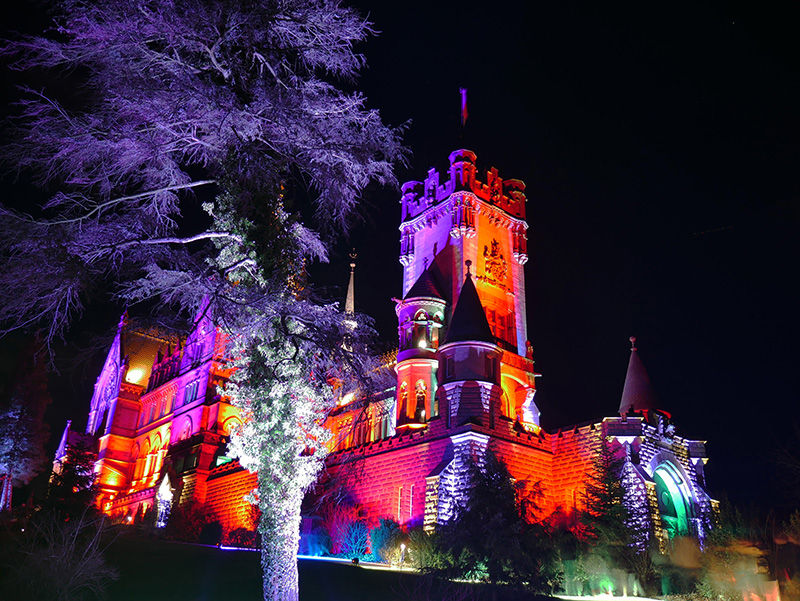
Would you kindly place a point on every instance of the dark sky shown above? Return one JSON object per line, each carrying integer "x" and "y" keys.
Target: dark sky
{"x": 660, "y": 148}
{"x": 659, "y": 145}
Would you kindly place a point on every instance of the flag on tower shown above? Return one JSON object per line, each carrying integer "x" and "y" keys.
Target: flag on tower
{"x": 464, "y": 113}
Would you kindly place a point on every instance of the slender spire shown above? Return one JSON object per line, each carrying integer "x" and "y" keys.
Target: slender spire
{"x": 350, "y": 303}
{"x": 637, "y": 394}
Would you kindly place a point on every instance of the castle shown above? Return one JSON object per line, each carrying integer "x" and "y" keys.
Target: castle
{"x": 465, "y": 381}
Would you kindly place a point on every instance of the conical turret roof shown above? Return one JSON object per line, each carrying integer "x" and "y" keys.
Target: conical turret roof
{"x": 637, "y": 394}
{"x": 469, "y": 321}
{"x": 424, "y": 286}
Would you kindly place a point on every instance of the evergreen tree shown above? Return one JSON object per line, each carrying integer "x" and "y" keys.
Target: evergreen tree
{"x": 490, "y": 537}
{"x": 72, "y": 490}
{"x": 605, "y": 512}
{"x": 617, "y": 523}
{"x": 236, "y": 100}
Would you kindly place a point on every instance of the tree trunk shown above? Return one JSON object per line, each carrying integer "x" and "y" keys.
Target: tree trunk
{"x": 280, "y": 538}
{"x": 5, "y": 493}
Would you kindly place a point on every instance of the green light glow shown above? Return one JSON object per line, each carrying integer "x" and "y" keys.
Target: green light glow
{"x": 673, "y": 504}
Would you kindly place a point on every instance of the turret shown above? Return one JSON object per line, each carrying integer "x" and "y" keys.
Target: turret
{"x": 420, "y": 317}
{"x": 469, "y": 362}
{"x": 638, "y": 395}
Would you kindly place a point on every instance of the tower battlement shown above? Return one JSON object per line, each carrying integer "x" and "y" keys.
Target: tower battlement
{"x": 507, "y": 195}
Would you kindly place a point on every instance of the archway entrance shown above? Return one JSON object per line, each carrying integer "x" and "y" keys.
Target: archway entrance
{"x": 674, "y": 503}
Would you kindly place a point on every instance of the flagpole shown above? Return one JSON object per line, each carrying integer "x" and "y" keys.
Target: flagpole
{"x": 464, "y": 113}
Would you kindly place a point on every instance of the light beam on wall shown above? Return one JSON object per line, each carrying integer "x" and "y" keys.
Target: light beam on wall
{"x": 134, "y": 375}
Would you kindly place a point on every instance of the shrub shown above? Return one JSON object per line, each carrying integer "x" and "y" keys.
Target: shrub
{"x": 384, "y": 540}
{"x": 242, "y": 537}
{"x": 59, "y": 560}
{"x": 187, "y": 521}
{"x": 356, "y": 540}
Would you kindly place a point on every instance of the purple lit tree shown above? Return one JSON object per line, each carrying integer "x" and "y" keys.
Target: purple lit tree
{"x": 157, "y": 102}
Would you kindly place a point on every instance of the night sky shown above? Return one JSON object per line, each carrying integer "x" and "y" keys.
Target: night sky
{"x": 659, "y": 145}
{"x": 660, "y": 148}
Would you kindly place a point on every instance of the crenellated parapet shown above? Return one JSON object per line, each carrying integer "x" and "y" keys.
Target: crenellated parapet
{"x": 506, "y": 195}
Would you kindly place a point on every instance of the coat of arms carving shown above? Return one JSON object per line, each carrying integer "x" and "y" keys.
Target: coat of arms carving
{"x": 495, "y": 265}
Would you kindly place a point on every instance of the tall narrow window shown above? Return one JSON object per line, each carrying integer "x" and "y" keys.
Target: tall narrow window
{"x": 400, "y": 504}
{"x": 420, "y": 393}
{"x": 403, "y": 399}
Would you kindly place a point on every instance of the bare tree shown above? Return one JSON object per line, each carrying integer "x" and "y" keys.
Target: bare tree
{"x": 170, "y": 98}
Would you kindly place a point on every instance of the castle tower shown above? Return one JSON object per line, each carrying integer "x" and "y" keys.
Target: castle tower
{"x": 470, "y": 363}
{"x": 447, "y": 222}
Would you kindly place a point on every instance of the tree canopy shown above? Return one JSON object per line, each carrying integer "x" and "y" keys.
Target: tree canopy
{"x": 156, "y": 99}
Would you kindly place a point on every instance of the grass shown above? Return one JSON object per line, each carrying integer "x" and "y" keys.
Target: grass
{"x": 155, "y": 570}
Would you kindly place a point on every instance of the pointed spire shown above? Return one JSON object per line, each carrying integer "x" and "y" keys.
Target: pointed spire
{"x": 469, "y": 320}
{"x": 350, "y": 302}
{"x": 637, "y": 394}
{"x": 61, "y": 451}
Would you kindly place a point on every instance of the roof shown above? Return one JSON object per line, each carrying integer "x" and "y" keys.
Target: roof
{"x": 469, "y": 321}
{"x": 637, "y": 394}
{"x": 424, "y": 286}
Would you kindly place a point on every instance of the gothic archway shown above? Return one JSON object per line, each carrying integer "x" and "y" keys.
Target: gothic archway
{"x": 674, "y": 500}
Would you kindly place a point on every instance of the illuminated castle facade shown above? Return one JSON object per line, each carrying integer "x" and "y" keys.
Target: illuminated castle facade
{"x": 465, "y": 381}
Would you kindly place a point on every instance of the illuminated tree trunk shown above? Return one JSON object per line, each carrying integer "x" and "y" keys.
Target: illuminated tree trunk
{"x": 5, "y": 493}
{"x": 280, "y": 536}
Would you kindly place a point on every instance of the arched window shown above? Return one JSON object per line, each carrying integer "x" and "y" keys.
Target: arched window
{"x": 421, "y": 394}
{"x": 186, "y": 430}
{"x": 135, "y": 461}
{"x": 403, "y": 400}
{"x": 362, "y": 428}
{"x": 158, "y": 452}
{"x": 141, "y": 463}
{"x": 421, "y": 337}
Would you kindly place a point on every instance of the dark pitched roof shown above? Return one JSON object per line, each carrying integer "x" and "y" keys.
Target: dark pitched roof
{"x": 469, "y": 320}
{"x": 637, "y": 393}
{"x": 424, "y": 286}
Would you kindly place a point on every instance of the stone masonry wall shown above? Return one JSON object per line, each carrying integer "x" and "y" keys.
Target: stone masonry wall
{"x": 227, "y": 487}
